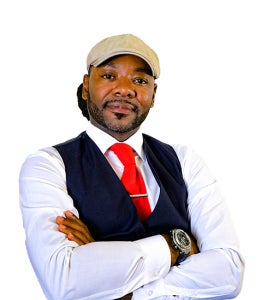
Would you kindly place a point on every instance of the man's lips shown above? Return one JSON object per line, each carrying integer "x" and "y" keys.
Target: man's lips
{"x": 120, "y": 106}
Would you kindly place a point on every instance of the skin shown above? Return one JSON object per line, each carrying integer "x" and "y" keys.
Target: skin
{"x": 119, "y": 95}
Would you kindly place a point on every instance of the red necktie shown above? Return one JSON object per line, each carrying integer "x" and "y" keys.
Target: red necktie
{"x": 132, "y": 179}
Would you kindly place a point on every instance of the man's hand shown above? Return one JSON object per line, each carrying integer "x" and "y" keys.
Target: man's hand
{"x": 74, "y": 228}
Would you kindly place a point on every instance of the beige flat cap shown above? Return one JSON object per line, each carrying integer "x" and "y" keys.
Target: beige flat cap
{"x": 123, "y": 44}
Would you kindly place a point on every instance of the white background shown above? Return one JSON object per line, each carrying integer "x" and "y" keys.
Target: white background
{"x": 215, "y": 94}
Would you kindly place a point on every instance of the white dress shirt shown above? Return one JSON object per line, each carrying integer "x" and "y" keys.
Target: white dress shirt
{"x": 109, "y": 270}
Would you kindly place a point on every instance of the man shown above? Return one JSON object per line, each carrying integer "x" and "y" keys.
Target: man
{"x": 89, "y": 235}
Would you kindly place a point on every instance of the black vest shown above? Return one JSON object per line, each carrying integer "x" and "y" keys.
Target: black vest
{"x": 102, "y": 201}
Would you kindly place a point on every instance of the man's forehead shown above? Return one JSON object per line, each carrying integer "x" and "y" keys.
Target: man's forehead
{"x": 138, "y": 64}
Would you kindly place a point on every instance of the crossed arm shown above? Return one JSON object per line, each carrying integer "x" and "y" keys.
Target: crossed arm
{"x": 215, "y": 272}
{"x": 77, "y": 231}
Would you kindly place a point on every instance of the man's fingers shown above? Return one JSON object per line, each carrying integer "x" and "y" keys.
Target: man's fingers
{"x": 77, "y": 226}
{"x": 74, "y": 235}
{"x": 69, "y": 214}
{"x": 59, "y": 220}
{"x": 73, "y": 238}
{"x": 74, "y": 228}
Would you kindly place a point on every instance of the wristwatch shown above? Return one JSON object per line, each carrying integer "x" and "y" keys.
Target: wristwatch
{"x": 181, "y": 242}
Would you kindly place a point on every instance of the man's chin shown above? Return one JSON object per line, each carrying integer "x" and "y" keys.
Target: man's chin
{"x": 121, "y": 123}
{"x": 119, "y": 128}
{"x": 118, "y": 123}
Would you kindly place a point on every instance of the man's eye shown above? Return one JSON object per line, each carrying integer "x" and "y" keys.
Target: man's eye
{"x": 141, "y": 80}
{"x": 108, "y": 76}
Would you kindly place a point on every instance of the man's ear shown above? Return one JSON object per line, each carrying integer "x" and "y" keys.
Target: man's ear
{"x": 85, "y": 87}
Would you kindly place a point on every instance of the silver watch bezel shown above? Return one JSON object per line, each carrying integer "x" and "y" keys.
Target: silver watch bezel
{"x": 181, "y": 241}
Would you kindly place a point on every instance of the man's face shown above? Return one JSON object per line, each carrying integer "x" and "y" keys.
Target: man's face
{"x": 120, "y": 94}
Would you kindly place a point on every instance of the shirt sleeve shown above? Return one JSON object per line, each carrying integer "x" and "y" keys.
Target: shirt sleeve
{"x": 217, "y": 271}
{"x": 99, "y": 270}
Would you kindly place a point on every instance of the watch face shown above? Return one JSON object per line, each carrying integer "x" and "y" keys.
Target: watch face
{"x": 182, "y": 242}
{"x": 183, "y": 238}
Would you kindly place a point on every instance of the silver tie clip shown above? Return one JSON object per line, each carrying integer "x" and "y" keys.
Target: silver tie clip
{"x": 139, "y": 195}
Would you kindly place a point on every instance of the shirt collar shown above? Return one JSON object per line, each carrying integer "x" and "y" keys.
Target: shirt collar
{"x": 103, "y": 140}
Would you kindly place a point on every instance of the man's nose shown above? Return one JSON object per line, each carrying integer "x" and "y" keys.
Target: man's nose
{"x": 124, "y": 88}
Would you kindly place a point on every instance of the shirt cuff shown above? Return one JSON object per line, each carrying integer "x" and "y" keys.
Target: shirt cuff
{"x": 157, "y": 257}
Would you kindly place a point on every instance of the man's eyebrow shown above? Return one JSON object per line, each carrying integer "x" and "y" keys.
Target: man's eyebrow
{"x": 145, "y": 70}
{"x": 108, "y": 64}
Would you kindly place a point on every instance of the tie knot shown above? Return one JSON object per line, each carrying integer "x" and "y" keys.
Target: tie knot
{"x": 124, "y": 152}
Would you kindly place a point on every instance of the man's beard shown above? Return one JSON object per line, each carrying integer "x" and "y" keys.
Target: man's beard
{"x": 97, "y": 115}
